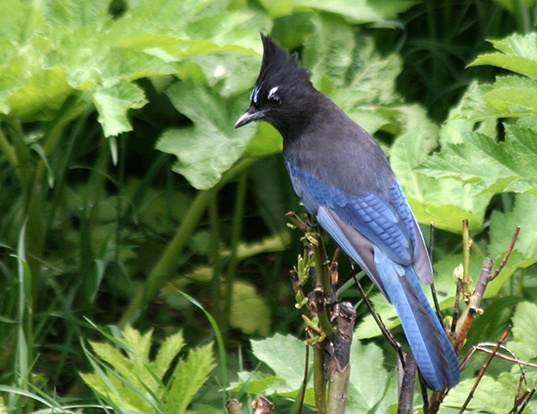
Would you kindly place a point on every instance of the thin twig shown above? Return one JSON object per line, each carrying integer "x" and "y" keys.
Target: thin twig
{"x": 507, "y": 253}
{"x": 484, "y": 368}
{"x": 305, "y": 377}
{"x": 528, "y": 396}
{"x": 481, "y": 347}
{"x": 387, "y": 334}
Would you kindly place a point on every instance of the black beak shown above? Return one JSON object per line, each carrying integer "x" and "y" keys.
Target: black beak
{"x": 250, "y": 115}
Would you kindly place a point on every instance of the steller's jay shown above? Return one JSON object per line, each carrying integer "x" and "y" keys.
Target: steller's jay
{"x": 345, "y": 182}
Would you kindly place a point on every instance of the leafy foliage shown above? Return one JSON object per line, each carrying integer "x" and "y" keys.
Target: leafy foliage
{"x": 128, "y": 379}
{"x": 95, "y": 223}
{"x": 370, "y": 387}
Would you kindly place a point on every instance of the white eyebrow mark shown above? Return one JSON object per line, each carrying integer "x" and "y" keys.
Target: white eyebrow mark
{"x": 255, "y": 92}
{"x": 272, "y": 92}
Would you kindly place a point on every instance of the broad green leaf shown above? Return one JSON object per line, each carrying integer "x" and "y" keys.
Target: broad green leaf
{"x": 191, "y": 373}
{"x": 71, "y": 14}
{"x": 518, "y": 54}
{"x": 494, "y": 395}
{"x": 502, "y": 227}
{"x": 524, "y": 343}
{"x": 285, "y": 355}
{"x": 508, "y": 97}
{"x": 211, "y": 146}
{"x": 113, "y": 102}
{"x": 68, "y": 47}
{"x": 445, "y": 202}
{"x": 256, "y": 382}
{"x": 371, "y": 387}
{"x": 266, "y": 140}
{"x": 362, "y": 11}
{"x": 352, "y": 73}
{"x": 249, "y": 312}
{"x": 40, "y": 96}
{"x": 489, "y": 166}
{"x": 329, "y": 56}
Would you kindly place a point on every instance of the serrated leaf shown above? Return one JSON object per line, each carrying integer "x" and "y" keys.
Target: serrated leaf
{"x": 445, "y": 202}
{"x": 518, "y": 54}
{"x": 489, "y": 166}
{"x": 508, "y": 97}
{"x": 169, "y": 349}
{"x": 191, "y": 373}
{"x": 351, "y": 72}
{"x": 285, "y": 355}
{"x": 113, "y": 102}
{"x": 502, "y": 227}
{"x": 211, "y": 146}
{"x": 131, "y": 381}
{"x": 524, "y": 343}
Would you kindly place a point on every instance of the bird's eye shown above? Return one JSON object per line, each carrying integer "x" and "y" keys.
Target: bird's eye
{"x": 273, "y": 97}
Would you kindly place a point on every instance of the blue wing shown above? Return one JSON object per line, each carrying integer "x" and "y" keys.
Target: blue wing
{"x": 384, "y": 219}
{"x": 380, "y": 233}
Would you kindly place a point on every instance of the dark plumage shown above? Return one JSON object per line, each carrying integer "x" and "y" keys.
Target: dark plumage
{"x": 345, "y": 182}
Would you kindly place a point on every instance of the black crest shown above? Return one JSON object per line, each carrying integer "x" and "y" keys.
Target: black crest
{"x": 278, "y": 68}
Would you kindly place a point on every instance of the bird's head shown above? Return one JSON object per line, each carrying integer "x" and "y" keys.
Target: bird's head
{"x": 279, "y": 94}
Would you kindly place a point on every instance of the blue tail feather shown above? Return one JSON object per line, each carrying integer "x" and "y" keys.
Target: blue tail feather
{"x": 430, "y": 345}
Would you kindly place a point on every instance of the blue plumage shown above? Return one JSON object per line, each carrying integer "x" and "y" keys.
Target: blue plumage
{"x": 347, "y": 184}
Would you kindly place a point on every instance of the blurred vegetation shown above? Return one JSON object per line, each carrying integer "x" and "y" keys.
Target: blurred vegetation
{"x": 128, "y": 198}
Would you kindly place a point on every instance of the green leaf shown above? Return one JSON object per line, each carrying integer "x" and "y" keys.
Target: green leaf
{"x": 131, "y": 381}
{"x": 113, "y": 102}
{"x": 267, "y": 140}
{"x": 249, "y": 312}
{"x": 361, "y": 11}
{"x": 508, "y": 97}
{"x": 71, "y": 14}
{"x": 502, "y": 227}
{"x": 524, "y": 343}
{"x": 489, "y": 166}
{"x": 371, "y": 387}
{"x": 445, "y": 202}
{"x": 190, "y": 375}
{"x": 285, "y": 355}
{"x": 353, "y": 73}
{"x": 211, "y": 146}
{"x": 518, "y": 54}
{"x": 255, "y": 382}
{"x": 492, "y": 395}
